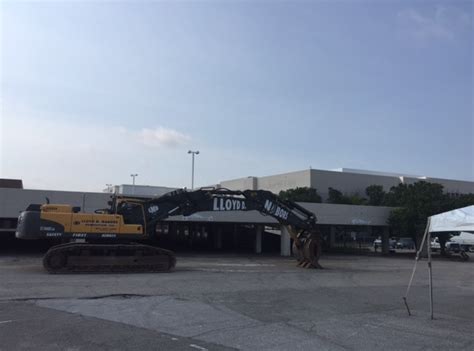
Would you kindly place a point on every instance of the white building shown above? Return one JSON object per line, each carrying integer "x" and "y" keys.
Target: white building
{"x": 138, "y": 190}
{"x": 348, "y": 181}
{"x": 335, "y": 220}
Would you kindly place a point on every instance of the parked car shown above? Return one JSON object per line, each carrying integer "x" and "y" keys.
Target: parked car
{"x": 435, "y": 246}
{"x": 378, "y": 244}
{"x": 466, "y": 240}
{"x": 456, "y": 247}
{"x": 405, "y": 243}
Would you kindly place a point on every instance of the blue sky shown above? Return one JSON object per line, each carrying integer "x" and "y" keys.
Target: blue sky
{"x": 93, "y": 91}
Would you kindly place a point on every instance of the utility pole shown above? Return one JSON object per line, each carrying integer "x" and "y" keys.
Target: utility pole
{"x": 133, "y": 175}
{"x": 192, "y": 167}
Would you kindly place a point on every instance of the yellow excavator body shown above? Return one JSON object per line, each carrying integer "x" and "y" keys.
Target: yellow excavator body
{"x": 81, "y": 224}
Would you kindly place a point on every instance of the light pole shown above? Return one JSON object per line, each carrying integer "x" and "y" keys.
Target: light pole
{"x": 192, "y": 169}
{"x": 133, "y": 175}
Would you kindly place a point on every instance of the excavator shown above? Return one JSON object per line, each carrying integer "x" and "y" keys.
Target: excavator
{"x": 106, "y": 240}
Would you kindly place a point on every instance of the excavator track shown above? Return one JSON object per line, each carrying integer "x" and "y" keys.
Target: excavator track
{"x": 106, "y": 258}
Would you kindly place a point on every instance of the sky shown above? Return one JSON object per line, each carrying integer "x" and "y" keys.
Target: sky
{"x": 92, "y": 91}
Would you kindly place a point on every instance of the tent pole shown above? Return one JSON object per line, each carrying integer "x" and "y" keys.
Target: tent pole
{"x": 428, "y": 245}
{"x": 417, "y": 258}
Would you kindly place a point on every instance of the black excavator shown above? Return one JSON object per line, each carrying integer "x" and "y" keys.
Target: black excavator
{"x": 102, "y": 241}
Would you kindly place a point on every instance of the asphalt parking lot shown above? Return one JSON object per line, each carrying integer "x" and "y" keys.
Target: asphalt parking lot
{"x": 215, "y": 302}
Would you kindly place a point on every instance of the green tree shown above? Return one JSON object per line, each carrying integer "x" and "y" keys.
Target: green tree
{"x": 403, "y": 222}
{"x": 396, "y": 196}
{"x": 336, "y": 197}
{"x": 301, "y": 194}
{"x": 458, "y": 200}
{"x": 375, "y": 194}
{"x": 356, "y": 199}
{"x": 416, "y": 203}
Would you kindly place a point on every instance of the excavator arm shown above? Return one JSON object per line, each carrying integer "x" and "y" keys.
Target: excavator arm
{"x": 299, "y": 222}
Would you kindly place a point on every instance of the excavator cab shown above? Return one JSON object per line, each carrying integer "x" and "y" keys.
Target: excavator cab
{"x": 132, "y": 212}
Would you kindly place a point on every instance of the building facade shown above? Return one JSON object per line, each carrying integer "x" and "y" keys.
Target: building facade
{"x": 138, "y": 190}
{"x": 221, "y": 230}
{"x": 348, "y": 181}
{"x": 346, "y": 223}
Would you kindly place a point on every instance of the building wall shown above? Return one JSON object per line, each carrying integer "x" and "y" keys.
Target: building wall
{"x": 348, "y": 183}
{"x": 139, "y": 190}
{"x": 285, "y": 181}
{"x": 352, "y": 215}
{"x": 327, "y": 214}
{"x": 450, "y": 186}
{"x": 274, "y": 183}
{"x": 13, "y": 201}
{"x": 344, "y": 181}
{"x": 249, "y": 183}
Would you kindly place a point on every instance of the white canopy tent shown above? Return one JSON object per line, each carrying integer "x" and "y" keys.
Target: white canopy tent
{"x": 459, "y": 220}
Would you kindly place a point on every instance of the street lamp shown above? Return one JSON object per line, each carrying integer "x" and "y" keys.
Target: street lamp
{"x": 192, "y": 169}
{"x": 133, "y": 175}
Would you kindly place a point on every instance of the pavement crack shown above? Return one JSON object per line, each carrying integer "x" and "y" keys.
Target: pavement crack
{"x": 125, "y": 296}
{"x": 93, "y": 297}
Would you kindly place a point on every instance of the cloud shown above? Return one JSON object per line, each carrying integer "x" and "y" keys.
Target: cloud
{"x": 161, "y": 136}
{"x": 64, "y": 154}
{"x": 444, "y": 22}
{"x": 61, "y": 152}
